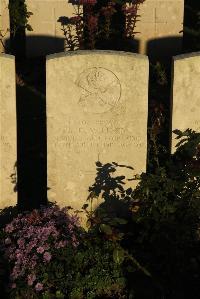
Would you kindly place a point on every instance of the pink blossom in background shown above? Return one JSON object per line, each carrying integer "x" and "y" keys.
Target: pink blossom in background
{"x": 39, "y": 287}
{"x": 21, "y": 242}
{"x": 31, "y": 278}
{"x": 9, "y": 228}
{"x": 61, "y": 244}
{"x": 75, "y": 20}
{"x": 130, "y": 10}
{"x": 40, "y": 249}
{"x": 47, "y": 256}
{"x": 93, "y": 22}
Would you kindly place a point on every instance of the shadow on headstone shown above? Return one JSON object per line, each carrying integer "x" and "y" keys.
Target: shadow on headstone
{"x": 31, "y": 134}
{"x": 45, "y": 45}
{"x": 131, "y": 45}
{"x": 42, "y": 45}
{"x": 164, "y": 48}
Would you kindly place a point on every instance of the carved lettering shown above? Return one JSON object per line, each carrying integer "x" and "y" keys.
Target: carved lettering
{"x": 85, "y": 136}
{"x": 197, "y": 125}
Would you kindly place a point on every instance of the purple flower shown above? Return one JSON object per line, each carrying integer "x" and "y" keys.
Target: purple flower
{"x": 9, "y": 228}
{"x": 30, "y": 237}
{"x": 15, "y": 273}
{"x": 39, "y": 287}
{"x": 31, "y": 245}
{"x": 61, "y": 244}
{"x": 33, "y": 264}
{"x": 19, "y": 256}
{"x": 47, "y": 256}
{"x": 31, "y": 278}
{"x": 21, "y": 242}
{"x": 40, "y": 249}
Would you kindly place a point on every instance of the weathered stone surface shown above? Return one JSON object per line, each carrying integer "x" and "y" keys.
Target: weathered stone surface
{"x": 186, "y": 93}
{"x": 4, "y": 23}
{"x": 8, "y": 148}
{"x": 96, "y": 110}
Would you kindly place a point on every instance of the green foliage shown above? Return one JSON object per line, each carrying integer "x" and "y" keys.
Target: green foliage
{"x": 141, "y": 243}
{"x": 97, "y": 274}
{"x": 162, "y": 221}
{"x": 88, "y": 272}
{"x": 158, "y": 122}
{"x": 82, "y": 267}
{"x": 19, "y": 16}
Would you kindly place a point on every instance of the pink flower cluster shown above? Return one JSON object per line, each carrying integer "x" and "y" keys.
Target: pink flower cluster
{"x": 34, "y": 237}
{"x": 75, "y": 20}
{"x": 108, "y": 10}
{"x": 130, "y": 11}
{"x": 90, "y": 26}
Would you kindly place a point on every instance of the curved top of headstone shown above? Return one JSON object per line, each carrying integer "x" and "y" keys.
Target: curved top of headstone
{"x": 7, "y": 56}
{"x": 102, "y": 52}
{"x": 186, "y": 56}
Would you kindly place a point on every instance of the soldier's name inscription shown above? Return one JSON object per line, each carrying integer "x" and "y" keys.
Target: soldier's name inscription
{"x": 100, "y": 135}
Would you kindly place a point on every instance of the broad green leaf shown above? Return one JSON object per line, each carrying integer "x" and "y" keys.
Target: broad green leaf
{"x": 59, "y": 295}
{"x": 104, "y": 228}
{"x": 118, "y": 255}
{"x": 120, "y": 220}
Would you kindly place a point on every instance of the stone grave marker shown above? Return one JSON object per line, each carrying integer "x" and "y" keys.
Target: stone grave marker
{"x": 186, "y": 93}
{"x": 4, "y": 24}
{"x": 97, "y": 105}
{"x": 8, "y": 147}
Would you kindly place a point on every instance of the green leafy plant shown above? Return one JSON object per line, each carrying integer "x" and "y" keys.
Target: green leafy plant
{"x": 158, "y": 122}
{"x": 19, "y": 16}
{"x": 49, "y": 256}
{"x": 168, "y": 218}
{"x": 141, "y": 243}
{"x": 160, "y": 227}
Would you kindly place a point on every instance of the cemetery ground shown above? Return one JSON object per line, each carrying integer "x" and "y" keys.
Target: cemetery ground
{"x": 141, "y": 243}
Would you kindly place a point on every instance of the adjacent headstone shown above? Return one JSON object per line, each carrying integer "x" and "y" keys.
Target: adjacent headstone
{"x": 4, "y": 25}
{"x": 8, "y": 148}
{"x": 186, "y": 93}
{"x": 97, "y": 105}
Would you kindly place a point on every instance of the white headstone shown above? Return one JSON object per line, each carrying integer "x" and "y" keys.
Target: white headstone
{"x": 186, "y": 93}
{"x": 97, "y": 105}
{"x": 8, "y": 147}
